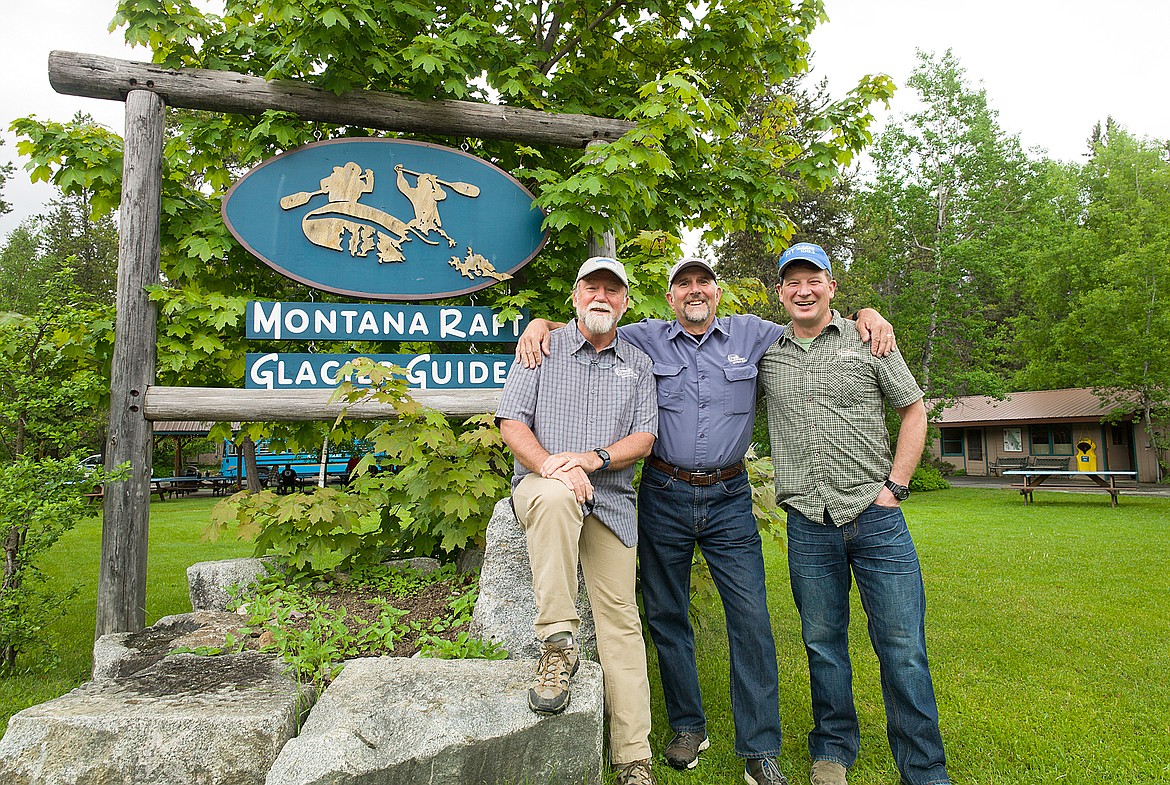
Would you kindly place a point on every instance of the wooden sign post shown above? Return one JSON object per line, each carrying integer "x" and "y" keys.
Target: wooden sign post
{"x": 147, "y": 89}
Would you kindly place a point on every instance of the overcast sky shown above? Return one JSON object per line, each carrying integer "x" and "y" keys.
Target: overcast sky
{"x": 1051, "y": 68}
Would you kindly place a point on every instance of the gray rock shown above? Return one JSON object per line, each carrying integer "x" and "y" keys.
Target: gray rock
{"x": 424, "y": 565}
{"x": 390, "y": 720}
{"x": 187, "y": 719}
{"x": 208, "y": 581}
{"x": 126, "y": 653}
{"x": 506, "y": 608}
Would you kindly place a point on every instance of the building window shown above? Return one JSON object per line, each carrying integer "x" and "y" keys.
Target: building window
{"x": 1051, "y": 439}
{"x": 952, "y": 441}
{"x": 1118, "y": 435}
{"x": 975, "y": 445}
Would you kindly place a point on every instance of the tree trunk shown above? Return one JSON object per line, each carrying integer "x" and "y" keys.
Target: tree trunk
{"x": 251, "y": 472}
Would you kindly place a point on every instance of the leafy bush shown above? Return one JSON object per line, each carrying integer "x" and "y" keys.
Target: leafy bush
{"x": 434, "y": 495}
{"x": 928, "y": 478}
{"x": 39, "y": 501}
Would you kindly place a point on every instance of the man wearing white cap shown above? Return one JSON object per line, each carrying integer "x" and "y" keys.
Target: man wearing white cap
{"x": 577, "y": 425}
{"x": 695, "y": 491}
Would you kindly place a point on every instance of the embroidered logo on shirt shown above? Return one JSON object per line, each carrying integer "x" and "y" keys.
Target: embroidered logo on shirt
{"x": 625, "y": 373}
{"x": 735, "y": 359}
{"x": 848, "y": 354}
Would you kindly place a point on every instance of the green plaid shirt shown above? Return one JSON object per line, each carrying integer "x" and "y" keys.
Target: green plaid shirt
{"x": 826, "y": 420}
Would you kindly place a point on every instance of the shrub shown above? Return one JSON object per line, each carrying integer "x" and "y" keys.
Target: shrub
{"x": 928, "y": 478}
{"x": 39, "y": 501}
{"x": 435, "y": 495}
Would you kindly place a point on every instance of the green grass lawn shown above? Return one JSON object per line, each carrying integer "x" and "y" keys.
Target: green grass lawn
{"x": 1047, "y": 628}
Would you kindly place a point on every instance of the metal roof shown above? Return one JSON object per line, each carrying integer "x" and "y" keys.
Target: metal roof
{"x": 185, "y": 428}
{"x": 1076, "y": 404}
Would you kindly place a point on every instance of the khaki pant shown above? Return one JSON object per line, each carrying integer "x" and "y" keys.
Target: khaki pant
{"x": 557, "y": 536}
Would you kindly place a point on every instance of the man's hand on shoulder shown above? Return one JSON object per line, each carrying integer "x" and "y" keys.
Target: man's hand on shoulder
{"x": 875, "y": 330}
{"x": 533, "y": 345}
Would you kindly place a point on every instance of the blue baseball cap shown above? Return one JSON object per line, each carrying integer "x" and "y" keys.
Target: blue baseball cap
{"x": 806, "y": 252}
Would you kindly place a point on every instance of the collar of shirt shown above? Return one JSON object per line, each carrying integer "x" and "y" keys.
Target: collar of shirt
{"x": 837, "y": 323}
{"x": 676, "y": 329}
{"x": 580, "y": 342}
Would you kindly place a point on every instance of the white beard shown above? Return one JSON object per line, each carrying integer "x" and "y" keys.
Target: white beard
{"x": 597, "y": 322}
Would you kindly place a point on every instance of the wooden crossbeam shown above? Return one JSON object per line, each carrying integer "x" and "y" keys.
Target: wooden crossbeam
{"x": 94, "y": 76}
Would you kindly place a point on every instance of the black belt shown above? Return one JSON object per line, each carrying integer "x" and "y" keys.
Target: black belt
{"x": 696, "y": 478}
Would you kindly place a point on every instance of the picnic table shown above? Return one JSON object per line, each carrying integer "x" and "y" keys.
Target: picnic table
{"x": 1103, "y": 482}
{"x": 220, "y": 484}
{"x": 175, "y": 486}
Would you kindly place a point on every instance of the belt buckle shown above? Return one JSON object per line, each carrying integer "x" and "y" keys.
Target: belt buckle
{"x": 704, "y": 478}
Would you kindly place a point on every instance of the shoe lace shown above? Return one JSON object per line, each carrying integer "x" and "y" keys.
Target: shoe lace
{"x": 635, "y": 773}
{"x": 770, "y": 770}
{"x": 687, "y": 740}
{"x": 553, "y": 666}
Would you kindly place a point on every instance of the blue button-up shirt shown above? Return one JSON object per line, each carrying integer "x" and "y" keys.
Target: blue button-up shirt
{"x": 706, "y": 386}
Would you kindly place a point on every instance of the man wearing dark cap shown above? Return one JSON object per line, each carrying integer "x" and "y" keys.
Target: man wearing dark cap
{"x": 695, "y": 491}
{"x": 841, "y": 489}
{"x": 577, "y": 425}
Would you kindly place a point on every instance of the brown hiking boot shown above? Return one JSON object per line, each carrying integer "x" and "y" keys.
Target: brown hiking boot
{"x": 636, "y": 773}
{"x": 549, "y": 694}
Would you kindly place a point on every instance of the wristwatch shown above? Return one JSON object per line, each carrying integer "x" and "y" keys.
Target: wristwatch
{"x": 604, "y": 456}
{"x": 901, "y": 492}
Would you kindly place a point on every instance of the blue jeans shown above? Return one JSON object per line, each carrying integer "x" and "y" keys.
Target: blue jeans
{"x": 672, "y": 517}
{"x": 877, "y": 550}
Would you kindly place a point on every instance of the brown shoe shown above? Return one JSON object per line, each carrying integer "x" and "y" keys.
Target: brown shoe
{"x": 827, "y": 772}
{"x": 683, "y": 750}
{"x": 636, "y": 773}
{"x": 549, "y": 694}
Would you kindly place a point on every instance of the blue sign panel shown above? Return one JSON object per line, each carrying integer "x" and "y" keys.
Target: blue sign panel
{"x": 424, "y": 371}
{"x": 387, "y": 219}
{"x": 361, "y": 322}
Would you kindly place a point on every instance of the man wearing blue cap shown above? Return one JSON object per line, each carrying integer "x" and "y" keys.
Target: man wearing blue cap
{"x": 695, "y": 491}
{"x": 841, "y": 489}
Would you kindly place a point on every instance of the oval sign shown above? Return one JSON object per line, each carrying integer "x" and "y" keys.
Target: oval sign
{"x": 387, "y": 219}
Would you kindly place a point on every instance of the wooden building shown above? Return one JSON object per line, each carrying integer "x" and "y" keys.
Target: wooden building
{"x": 976, "y": 431}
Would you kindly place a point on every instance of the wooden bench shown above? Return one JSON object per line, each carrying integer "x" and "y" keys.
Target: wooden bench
{"x": 1112, "y": 483}
{"x": 1001, "y": 463}
{"x": 1051, "y": 463}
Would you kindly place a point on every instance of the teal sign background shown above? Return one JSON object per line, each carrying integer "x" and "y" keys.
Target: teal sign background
{"x": 386, "y": 219}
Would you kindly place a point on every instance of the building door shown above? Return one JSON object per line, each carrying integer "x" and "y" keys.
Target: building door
{"x": 1119, "y": 447}
{"x": 976, "y": 460}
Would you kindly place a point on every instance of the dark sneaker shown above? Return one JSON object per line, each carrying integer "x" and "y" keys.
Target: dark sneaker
{"x": 636, "y": 773}
{"x": 827, "y": 772}
{"x": 763, "y": 771}
{"x": 550, "y": 692}
{"x": 683, "y": 750}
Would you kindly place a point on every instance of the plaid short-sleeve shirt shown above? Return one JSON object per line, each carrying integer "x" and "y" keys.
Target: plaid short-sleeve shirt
{"x": 826, "y": 419}
{"x": 580, "y": 399}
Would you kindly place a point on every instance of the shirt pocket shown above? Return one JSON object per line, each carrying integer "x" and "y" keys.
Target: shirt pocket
{"x": 671, "y": 382}
{"x": 844, "y": 381}
{"x": 740, "y": 392}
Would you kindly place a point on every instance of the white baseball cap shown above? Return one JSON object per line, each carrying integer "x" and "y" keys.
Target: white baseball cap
{"x": 595, "y": 263}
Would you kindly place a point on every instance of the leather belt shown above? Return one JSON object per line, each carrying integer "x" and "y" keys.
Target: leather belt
{"x": 696, "y": 478}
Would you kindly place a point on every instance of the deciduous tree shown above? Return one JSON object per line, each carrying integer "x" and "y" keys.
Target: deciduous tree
{"x": 938, "y": 221}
